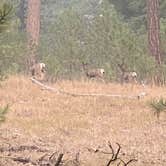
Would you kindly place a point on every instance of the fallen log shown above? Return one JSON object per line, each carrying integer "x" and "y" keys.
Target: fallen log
{"x": 58, "y": 91}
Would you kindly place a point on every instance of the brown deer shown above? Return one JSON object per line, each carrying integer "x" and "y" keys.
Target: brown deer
{"x": 38, "y": 71}
{"x": 93, "y": 73}
{"x": 127, "y": 76}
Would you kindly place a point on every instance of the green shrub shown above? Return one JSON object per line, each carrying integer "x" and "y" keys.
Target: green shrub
{"x": 100, "y": 39}
{"x": 3, "y": 111}
{"x": 158, "y": 106}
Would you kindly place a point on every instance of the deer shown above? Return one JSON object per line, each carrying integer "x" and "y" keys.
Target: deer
{"x": 38, "y": 71}
{"x": 127, "y": 76}
{"x": 97, "y": 73}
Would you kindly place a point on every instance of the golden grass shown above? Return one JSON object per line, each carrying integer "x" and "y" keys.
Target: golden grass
{"x": 79, "y": 122}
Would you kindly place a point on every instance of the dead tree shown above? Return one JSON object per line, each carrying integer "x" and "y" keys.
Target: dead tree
{"x": 115, "y": 156}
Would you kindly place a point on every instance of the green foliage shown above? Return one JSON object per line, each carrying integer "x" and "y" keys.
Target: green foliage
{"x": 63, "y": 50}
{"x": 100, "y": 39}
{"x": 12, "y": 44}
{"x": 76, "y": 31}
{"x": 3, "y": 112}
{"x": 163, "y": 37}
{"x": 5, "y": 13}
{"x": 11, "y": 53}
{"x": 134, "y": 12}
{"x": 158, "y": 106}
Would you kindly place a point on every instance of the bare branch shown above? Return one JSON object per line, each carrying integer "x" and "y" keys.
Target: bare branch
{"x": 44, "y": 86}
{"x": 51, "y": 157}
{"x": 117, "y": 153}
{"x": 59, "y": 159}
{"x": 42, "y": 157}
{"x": 77, "y": 156}
{"x": 19, "y": 159}
{"x": 114, "y": 155}
{"x": 116, "y": 158}
{"x": 132, "y": 160}
{"x": 109, "y": 144}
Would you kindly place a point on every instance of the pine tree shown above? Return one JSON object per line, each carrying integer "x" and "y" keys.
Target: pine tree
{"x": 5, "y": 12}
{"x": 21, "y": 14}
{"x": 154, "y": 29}
{"x": 33, "y": 30}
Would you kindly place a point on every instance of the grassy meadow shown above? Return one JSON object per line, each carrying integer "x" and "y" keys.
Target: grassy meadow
{"x": 68, "y": 124}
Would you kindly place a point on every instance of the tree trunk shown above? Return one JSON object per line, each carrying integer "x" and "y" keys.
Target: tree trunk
{"x": 33, "y": 30}
{"x": 21, "y": 15}
{"x": 154, "y": 29}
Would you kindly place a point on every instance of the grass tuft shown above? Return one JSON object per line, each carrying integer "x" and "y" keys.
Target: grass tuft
{"x": 3, "y": 111}
{"x": 158, "y": 106}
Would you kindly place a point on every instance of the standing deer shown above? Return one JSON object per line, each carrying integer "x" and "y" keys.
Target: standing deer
{"x": 93, "y": 73}
{"x": 127, "y": 76}
{"x": 38, "y": 71}
{"x": 130, "y": 77}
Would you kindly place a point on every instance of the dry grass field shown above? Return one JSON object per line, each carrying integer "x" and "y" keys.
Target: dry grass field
{"x": 41, "y": 122}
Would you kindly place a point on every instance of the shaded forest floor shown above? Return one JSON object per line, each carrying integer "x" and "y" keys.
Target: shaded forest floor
{"x": 40, "y": 123}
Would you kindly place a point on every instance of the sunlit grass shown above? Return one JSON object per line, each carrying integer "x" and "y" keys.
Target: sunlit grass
{"x": 43, "y": 108}
{"x": 79, "y": 122}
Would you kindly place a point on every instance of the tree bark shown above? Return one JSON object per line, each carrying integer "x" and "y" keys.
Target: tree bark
{"x": 33, "y": 30}
{"x": 21, "y": 15}
{"x": 154, "y": 29}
